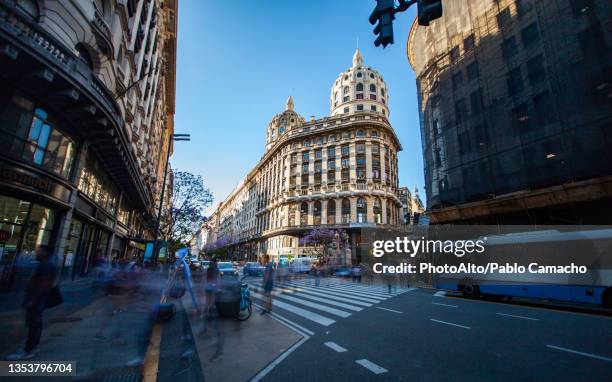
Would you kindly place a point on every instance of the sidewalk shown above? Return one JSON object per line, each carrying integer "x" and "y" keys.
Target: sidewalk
{"x": 231, "y": 350}
{"x": 86, "y": 329}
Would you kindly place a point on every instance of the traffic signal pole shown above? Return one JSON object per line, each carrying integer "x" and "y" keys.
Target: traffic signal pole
{"x": 384, "y": 14}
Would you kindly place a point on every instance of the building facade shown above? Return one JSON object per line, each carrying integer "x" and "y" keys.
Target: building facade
{"x": 87, "y": 108}
{"x": 515, "y": 103}
{"x": 337, "y": 172}
{"x": 412, "y": 206}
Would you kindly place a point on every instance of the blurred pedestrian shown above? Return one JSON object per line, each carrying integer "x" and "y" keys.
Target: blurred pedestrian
{"x": 38, "y": 295}
{"x": 210, "y": 287}
{"x": 268, "y": 283}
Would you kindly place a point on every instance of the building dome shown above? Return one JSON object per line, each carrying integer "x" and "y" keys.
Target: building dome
{"x": 359, "y": 89}
{"x": 282, "y": 123}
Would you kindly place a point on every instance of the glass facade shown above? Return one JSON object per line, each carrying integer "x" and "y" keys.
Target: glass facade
{"x": 23, "y": 227}
{"x": 97, "y": 185}
{"x": 30, "y": 133}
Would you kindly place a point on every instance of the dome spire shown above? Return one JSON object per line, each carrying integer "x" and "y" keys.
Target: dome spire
{"x": 289, "y": 104}
{"x": 357, "y": 59}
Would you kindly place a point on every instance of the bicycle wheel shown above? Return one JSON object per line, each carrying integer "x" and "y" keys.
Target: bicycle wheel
{"x": 244, "y": 314}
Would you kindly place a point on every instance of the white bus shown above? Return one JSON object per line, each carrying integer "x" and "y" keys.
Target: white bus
{"x": 589, "y": 248}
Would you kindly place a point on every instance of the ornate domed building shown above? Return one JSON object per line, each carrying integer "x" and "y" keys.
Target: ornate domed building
{"x": 337, "y": 172}
{"x": 359, "y": 89}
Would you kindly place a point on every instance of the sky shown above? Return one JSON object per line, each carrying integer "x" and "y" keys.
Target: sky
{"x": 239, "y": 60}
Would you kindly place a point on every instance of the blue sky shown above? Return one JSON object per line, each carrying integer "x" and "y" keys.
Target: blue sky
{"x": 238, "y": 61}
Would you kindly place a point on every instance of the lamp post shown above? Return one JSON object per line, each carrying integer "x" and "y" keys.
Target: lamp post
{"x": 173, "y": 137}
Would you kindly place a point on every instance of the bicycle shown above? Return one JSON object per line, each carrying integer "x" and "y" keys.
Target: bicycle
{"x": 245, "y": 308}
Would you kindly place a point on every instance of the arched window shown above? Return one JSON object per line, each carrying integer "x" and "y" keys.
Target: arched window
{"x": 84, "y": 56}
{"x": 373, "y": 88}
{"x": 317, "y": 212}
{"x": 345, "y": 90}
{"x": 371, "y": 75}
{"x": 331, "y": 212}
{"x": 377, "y": 211}
{"x": 345, "y": 78}
{"x": 359, "y": 87}
{"x": 30, "y": 7}
{"x": 304, "y": 213}
{"x": 346, "y": 211}
{"x": 359, "y": 74}
{"x": 361, "y": 210}
{"x": 382, "y": 92}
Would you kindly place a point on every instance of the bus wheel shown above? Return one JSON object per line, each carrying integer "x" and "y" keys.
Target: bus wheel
{"x": 606, "y": 298}
{"x": 470, "y": 290}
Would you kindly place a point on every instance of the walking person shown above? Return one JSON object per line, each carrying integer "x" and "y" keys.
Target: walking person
{"x": 268, "y": 282}
{"x": 36, "y": 300}
{"x": 210, "y": 287}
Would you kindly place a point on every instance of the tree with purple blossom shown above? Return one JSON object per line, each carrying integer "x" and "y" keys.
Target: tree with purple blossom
{"x": 320, "y": 238}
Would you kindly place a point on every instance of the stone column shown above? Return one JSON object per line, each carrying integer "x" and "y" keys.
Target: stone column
{"x": 352, "y": 163}
{"x": 368, "y": 162}
{"x": 369, "y": 209}
{"x": 383, "y": 205}
{"x": 324, "y": 211}
{"x": 353, "y": 208}
{"x": 338, "y": 211}
{"x": 310, "y": 212}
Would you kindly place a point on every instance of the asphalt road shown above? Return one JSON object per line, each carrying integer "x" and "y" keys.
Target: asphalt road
{"x": 358, "y": 332}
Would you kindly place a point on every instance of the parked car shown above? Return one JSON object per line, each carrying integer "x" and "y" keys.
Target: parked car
{"x": 301, "y": 265}
{"x": 253, "y": 269}
{"x": 227, "y": 269}
{"x": 342, "y": 272}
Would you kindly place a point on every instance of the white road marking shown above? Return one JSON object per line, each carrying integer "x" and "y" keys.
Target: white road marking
{"x": 288, "y": 321}
{"x": 305, "y": 291}
{"x": 389, "y": 310}
{"x": 380, "y": 296}
{"x": 523, "y": 317}
{"x": 355, "y": 295}
{"x": 278, "y": 360}
{"x": 440, "y": 293}
{"x": 335, "y": 347}
{"x": 374, "y": 368}
{"x": 319, "y": 319}
{"x": 599, "y": 357}
{"x": 310, "y": 304}
{"x": 449, "y": 305}
{"x": 450, "y": 323}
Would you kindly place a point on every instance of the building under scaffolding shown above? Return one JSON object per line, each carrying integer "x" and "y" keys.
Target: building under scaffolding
{"x": 515, "y": 107}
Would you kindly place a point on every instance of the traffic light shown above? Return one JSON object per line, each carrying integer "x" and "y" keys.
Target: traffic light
{"x": 428, "y": 10}
{"x": 384, "y": 13}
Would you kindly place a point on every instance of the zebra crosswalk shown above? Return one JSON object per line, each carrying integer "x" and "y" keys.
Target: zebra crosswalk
{"x": 325, "y": 303}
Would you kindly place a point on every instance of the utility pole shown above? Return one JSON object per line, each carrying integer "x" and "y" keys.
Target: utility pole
{"x": 171, "y": 138}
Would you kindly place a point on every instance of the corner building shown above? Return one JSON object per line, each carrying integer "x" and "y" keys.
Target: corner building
{"x": 515, "y": 107}
{"x": 338, "y": 172}
{"x": 86, "y": 111}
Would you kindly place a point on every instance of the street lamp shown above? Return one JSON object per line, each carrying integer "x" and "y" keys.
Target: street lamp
{"x": 173, "y": 137}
